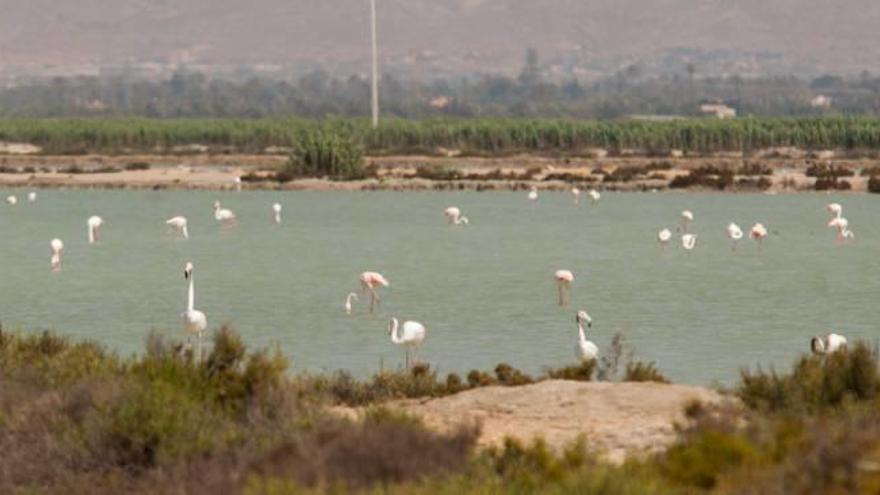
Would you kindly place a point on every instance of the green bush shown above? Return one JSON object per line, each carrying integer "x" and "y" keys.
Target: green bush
{"x": 638, "y": 371}
{"x": 324, "y": 154}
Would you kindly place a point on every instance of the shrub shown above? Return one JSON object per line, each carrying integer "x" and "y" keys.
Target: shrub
{"x": 581, "y": 372}
{"x": 638, "y": 371}
{"x": 137, "y": 166}
{"x": 510, "y": 376}
{"x": 438, "y": 172}
{"x": 874, "y": 184}
{"x": 324, "y": 154}
{"x": 820, "y": 170}
{"x": 753, "y": 168}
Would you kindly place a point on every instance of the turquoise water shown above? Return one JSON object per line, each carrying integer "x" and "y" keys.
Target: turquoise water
{"x": 485, "y": 292}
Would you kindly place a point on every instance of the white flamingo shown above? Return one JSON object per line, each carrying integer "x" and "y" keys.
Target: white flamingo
{"x": 584, "y": 350}
{"x": 828, "y": 343}
{"x": 369, "y": 282}
{"x": 11, "y": 200}
{"x": 686, "y": 218}
{"x": 57, "y": 248}
{"x": 758, "y": 233}
{"x": 689, "y": 241}
{"x": 223, "y": 215}
{"x": 842, "y": 226}
{"x": 276, "y": 213}
{"x": 351, "y": 296}
{"x": 32, "y": 197}
{"x": 594, "y": 196}
{"x": 835, "y": 209}
{"x": 194, "y": 321}
{"x": 533, "y": 194}
{"x": 94, "y": 228}
{"x": 178, "y": 224}
{"x": 453, "y": 214}
{"x": 663, "y": 237}
{"x": 410, "y": 335}
{"x": 735, "y": 233}
{"x": 237, "y": 182}
{"x": 576, "y": 194}
{"x": 564, "y": 278}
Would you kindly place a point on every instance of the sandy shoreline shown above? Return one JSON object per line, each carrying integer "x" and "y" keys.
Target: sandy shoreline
{"x": 218, "y": 172}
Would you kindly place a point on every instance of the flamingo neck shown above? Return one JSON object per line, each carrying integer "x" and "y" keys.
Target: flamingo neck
{"x": 395, "y": 338}
{"x": 191, "y": 295}
{"x": 185, "y": 232}
{"x": 91, "y": 234}
{"x": 581, "y": 334}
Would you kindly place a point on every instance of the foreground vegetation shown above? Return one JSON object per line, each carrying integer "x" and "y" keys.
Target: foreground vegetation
{"x": 470, "y": 136}
{"x": 77, "y": 419}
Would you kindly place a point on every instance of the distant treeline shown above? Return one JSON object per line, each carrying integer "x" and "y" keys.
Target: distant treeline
{"x": 474, "y": 136}
{"x": 318, "y": 94}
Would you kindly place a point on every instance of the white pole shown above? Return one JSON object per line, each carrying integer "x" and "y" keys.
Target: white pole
{"x": 375, "y": 68}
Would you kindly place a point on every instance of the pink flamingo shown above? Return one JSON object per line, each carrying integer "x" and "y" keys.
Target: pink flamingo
{"x": 758, "y": 233}
{"x": 369, "y": 282}
{"x": 564, "y": 278}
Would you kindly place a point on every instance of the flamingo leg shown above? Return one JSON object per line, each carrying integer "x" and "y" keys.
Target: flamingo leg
{"x": 199, "y": 348}
{"x": 559, "y": 292}
{"x": 374, "y": 299}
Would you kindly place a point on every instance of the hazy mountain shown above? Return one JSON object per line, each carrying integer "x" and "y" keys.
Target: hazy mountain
{"x": 427, "y": 37}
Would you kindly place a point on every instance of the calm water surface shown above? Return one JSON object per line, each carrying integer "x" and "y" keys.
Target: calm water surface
{"x": 485, "y": 292}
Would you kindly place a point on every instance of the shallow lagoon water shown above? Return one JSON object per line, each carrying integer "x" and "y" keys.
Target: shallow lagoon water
{"x": 485, "y": 292}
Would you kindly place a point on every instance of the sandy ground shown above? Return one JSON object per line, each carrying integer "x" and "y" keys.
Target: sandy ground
{"x": 219, "y": 172}
{"x": 618, "y": 419}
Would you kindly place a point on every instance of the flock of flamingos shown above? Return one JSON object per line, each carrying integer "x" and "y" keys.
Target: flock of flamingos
{"x": 411, "y": 334}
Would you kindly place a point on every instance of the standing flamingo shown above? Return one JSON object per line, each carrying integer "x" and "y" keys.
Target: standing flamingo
{"x": 57, "y": 248}
{"x": 32, "y": 196}
{"x": 369, "y": 282}
{"x": 194, "y": 321}
{"x": 835, "y": 209}
{"x": 223, "y": 215}
{"x": 584, "y": 350}
{"x": 564, "y": 278}
{"x": 94, "y": 226}
{"x": 533, "y": 193}
{"x": 576, "y": 194}
{"x": 351, "y": 295}
{"x": 758, "y": 233}
{"x": 686, "y": 218}
{"x": 663, "y": 237}
{"x": 735, "y": 233}
{"x": 237, "y": 182}
{"x": 276, "y": 213}
{"x": 453, "y": 214}
{"x": 594, "y": 196}
{"x": 178, "y": 224}
{"x": 11, "y": 200}
{"x": 411, "y": 336}
{"x": 842, "y": 226}
{"x": 689, "y": 241}
{"x": 828, "y": 343}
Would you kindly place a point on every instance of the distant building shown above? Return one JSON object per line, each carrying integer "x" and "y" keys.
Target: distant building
{"x": 718, "y": 109}
{"x": 821, "y": 102}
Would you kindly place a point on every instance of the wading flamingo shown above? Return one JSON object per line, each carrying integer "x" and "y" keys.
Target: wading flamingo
{"x": 237, "y": 182}
{"x": 576, "y": 194}
{"x": 348, "y": 299}
{"x": 276, "y": 213}
{"x": 663, "y": 237}
{"x": 32, "y": 196}
{"x": 842, "y": 226}
{"x": 94, "y": 225}
{"x": 369, "y": 282}
{"x": 564, "y": 278}
{"x": 689, "y": 241}
{"x": 223, "y": 215}
{"x": 57, "y": 248}
{"x": 758, "y": 233}
{"x": 410, "y": 335}
{"x": 178, "y": 225}
{"x": 533, "y": 194}
{"x": 686, "y": 218}
{"x": 594, "y": 196}
{"x": 453, "y": 214}
{"x": 194, "y": 321}
{"x": 584, "y": 350}
{"x": 735, "y": 233}
{"x": 11, "y": 200}
{"x": 835, "y": 209}
{"x": 828, "y": 343}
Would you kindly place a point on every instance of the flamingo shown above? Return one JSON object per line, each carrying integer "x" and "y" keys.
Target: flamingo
{"x": 663, "y": 237}
{"x": 276, "y": 213}
{"x": 410, "y": 338}
{"x": 686, "y": 218}
{"x": 758, "y": 233}
{"x": 57, "y": 248}
{"x": 689, "y": 241}
{"x": 32, "y": 197}
{"x": 369, "y": 282}
{"x": 835, "y": 209}
{"x": 194, "y": 321}
{"x": 564, "y": 278}
{"x": 828, "y": 343}
{"x": 594, "y": 196}
{"x": 842, "y": 226}
{"x": 584, "y": 350}
{"x": 223, "y": 215}
{"x": 576, "y": 193}
{"x": 351, "y": 295}
{"x": 453, "y": 214}
{"x": 178, "y": 224}
{"x": 237, "y": 182}
{"x": 735, "y": 233}
{"x": 94, "y": 225}
{"x": 533, "y": 194}
{"x": 11, "y": 200}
